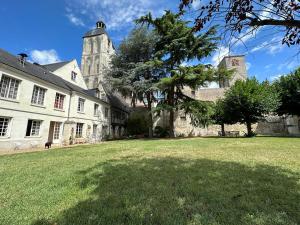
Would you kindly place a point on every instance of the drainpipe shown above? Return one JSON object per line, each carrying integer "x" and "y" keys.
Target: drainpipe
{"x": 71, "y": 93}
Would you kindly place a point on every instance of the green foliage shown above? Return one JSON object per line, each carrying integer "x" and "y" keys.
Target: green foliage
{"x": 161, "y": 132}
{"x": 219, "y": 116}
{"x": 288, "y": 88}
{"x": 178, "y": 43}
{"x": 200, "y": 112}
{"x": 249, "y": 101}
{"x": 132, "y": 73}
{"x": 137, "y": 123}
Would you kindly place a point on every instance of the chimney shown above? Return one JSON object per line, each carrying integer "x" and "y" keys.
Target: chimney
{"x": 22, "y": 58}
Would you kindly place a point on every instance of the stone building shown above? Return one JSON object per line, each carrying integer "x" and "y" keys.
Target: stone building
{"x": 272, "y": 125}
{"x": 97, "y": 51}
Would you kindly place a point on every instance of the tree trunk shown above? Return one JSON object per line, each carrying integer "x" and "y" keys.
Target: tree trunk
{"x": 249, "y": 129}
{"x": 171, "y": 112}
{"x": 150, "y": 132}
{"x": 223, "y": 129}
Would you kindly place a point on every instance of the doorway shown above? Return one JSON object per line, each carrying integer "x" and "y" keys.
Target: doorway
{"x": 54, "y": 132}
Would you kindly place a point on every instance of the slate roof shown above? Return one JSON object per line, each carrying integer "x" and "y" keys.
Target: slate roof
{"x": 41, "y": 73}
{"x": 95, "y": 32}
{"x": 55, "y": 66}
{"x": 114, "y": 100}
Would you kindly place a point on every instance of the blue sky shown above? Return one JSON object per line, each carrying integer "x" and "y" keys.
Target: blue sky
{"x": 52, "y": 30}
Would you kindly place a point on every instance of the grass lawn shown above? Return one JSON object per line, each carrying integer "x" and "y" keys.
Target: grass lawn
{"x": 207, "y": 181}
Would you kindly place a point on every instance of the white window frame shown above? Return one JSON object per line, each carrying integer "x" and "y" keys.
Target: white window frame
{"x": 35, "y": 129}
{"x": 106, "y": 112}
{"x": 73, "y": 76}
{"x": 7, "y": 132}
{"x": 9, "y": 93}
{"x": 95, "y": 130}
{"x": 79, "y": 130}
{"x": 38, "y": 95}
{"x": 96, "y": 109}
{"x": 80, "y": 105}
{"x": 56, "y": 131}
{"x": 61, "y": 96}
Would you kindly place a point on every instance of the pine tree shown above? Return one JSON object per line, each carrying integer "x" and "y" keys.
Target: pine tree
{"x": 133, "y": 71}
{"x": 178, "y": 43}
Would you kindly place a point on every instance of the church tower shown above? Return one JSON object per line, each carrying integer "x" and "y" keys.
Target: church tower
{"x": 236, "y": 62}
{"x": 96, "y": 54}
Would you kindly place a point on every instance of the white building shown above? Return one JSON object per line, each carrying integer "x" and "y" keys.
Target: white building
{"x": 49, "y": 103}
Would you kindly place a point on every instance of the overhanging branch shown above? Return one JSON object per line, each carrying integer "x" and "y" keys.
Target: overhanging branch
{"x": 286, "y": 23}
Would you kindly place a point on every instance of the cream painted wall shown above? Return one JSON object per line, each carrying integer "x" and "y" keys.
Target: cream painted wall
{"x": 65, "y": 73}
{"x": 21, "y": 110}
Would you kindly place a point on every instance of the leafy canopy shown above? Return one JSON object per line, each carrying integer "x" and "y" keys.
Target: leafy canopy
{"x": 288, "y": 88}
{"x": 249, "y": 101}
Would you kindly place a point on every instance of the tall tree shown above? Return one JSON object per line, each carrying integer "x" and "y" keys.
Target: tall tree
{"x": 288, "y": 88}
{"x": 177, "y": 43}
{"x": 249, "y": 101}
{"x": 133, "y": 72}
{"x": 250, "y": 14}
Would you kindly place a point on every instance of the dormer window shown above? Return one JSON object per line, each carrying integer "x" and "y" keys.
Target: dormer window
{"x": 73, "y": 76}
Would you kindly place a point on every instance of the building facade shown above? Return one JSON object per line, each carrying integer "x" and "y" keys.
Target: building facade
{"x": 48, "y": 103}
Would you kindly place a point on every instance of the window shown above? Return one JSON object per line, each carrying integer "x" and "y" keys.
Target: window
{"x": 94, "y": 130}
{"x": 79, "y": 128}
{"x": 96, "y": 108}
{"x": 59, "y": 101}
{"x": 80, "y": 106}
{"x": 9, "y": 87}
{"x": 98, "y": 68}
{"x": 96, "y": 82}
{"x": 4, "y": 123}
{"x": 33, "y": 128}
{"x": 38, "y": 95}
{"x": 235, "y": 62}
{"x": 73, "y": 76}
{"x": 106, "y": 113}
{"x": 193, "y": 92}
{"x": 56, "y": 130}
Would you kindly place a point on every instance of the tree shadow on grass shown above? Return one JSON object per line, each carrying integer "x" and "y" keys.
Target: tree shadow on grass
{"x": 175, "y": 191}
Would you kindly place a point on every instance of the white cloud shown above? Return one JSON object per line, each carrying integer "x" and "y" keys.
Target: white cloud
{"x": 248, "y": 65}
{"x": 116, "y": 14}
{"x": 219, "y": 55}
{"x": 75, "y": 20}
{"x": 271, "y": 47}
{"x": 275, "y": 77}
{"x": 196, "y": 4}
{"x": 268, "y": 66}
{"x": 290, "y": 65}
{"x": 44, "y": 56}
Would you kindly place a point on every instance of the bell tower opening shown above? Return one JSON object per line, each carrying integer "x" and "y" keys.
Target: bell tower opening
{"x": 100, "y": 24}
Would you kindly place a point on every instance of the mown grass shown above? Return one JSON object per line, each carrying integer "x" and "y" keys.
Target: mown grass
{"x": 209, "y": 181}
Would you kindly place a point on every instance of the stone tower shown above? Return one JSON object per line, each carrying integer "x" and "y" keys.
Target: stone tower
{"x": 236, "y": 62}
{"x": 96, "y": 54}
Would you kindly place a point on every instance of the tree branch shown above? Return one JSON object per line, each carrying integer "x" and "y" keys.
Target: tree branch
{"x": 286, "y": 23}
